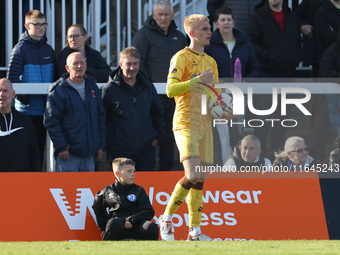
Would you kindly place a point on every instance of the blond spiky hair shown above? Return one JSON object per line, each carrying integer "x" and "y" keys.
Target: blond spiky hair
{"x": 190, "y": 21}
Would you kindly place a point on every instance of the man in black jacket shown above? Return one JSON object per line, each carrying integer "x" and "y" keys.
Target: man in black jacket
{"x": 135, "y": 122}
{"x": 18, "y": 142}
{"x": 327, "y": 23}
{"x": 157, "y": 42}
{"x": 276, "y": 36}
{"x": 130, "y": 211}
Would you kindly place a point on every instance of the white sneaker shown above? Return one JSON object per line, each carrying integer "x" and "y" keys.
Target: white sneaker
{"x": 167, "y": 230}
{"x": 200, "y": 237}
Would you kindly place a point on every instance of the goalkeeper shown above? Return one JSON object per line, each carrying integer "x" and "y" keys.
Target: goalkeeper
{"x": 190, "y": 68}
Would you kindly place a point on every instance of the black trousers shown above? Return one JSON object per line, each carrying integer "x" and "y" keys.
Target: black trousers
{"x": 38, "y": 124}
{"x": 167, "y": 148}
{"x": 115, "y": 230}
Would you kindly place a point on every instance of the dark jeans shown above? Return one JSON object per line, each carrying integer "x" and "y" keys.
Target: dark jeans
{"x": 40, "y": 131}
{"x": 115, "y": 230}
{"x": 166, "y": 149}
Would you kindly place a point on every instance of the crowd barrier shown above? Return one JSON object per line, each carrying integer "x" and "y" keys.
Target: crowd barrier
{"x": 58, "y": 206}
{"x": 327, "y": 86}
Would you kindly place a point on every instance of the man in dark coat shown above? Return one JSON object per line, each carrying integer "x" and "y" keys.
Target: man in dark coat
{"x": 157, "y": 42}
{"x": 276, "y": 39}
{"x": 135, "y": 119}
{"x": 327, "y": 23}
{"x": 330, "y": 68}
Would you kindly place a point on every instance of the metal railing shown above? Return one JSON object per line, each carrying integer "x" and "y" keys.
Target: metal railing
{"x": 326, "y": 87}
{"x": 96, "y": 21}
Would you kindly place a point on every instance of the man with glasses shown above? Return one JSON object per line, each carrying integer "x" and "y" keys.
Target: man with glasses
{"x": 33, "y": 61}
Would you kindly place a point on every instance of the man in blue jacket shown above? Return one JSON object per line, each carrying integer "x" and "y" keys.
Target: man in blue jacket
{"x": 33, "y": 61}
{"x": 135, "y": 119}
{"x": 75, "y": 118}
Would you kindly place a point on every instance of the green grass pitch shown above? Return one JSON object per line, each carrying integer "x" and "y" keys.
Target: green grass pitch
{"x": 173, "y": 248}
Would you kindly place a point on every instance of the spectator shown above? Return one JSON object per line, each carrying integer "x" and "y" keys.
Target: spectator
{"x": 248, "y": 153}
{"x": 330, "y": 68}
{"x": 295, "y": 155}
{"x": 135, "y": 119}
{"x": 33, "y": 61}
{"x": 233, "y": 43}
{"x": 129, "y": 211}
{"x": 18, "y": 142}
{"x": 157, "y": 42}
{"x": 189, "y": 68}
{"x": 334, "y": 157}
{"x": 75, "y": 118}
{"x": 306, "y": 13}
{"x": 327, "y": 23}
{"x": 243, "y": 10}
{"x": 77, "y": 41}
{"x": 80, "y": 19}
{"x": 123, "y": 23}
{"x": 275, "y": 33}
{"x": 275, "y": 30}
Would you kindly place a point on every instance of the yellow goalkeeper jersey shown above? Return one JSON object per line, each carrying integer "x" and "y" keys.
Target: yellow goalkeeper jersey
{"x": 184, "y": 85}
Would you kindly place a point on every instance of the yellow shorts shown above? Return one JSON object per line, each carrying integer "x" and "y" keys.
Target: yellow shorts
{"x": 195, "y": 144}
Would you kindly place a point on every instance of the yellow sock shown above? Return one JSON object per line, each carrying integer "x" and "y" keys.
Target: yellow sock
{"x": 176, "y": 199}
{"x": 195, "y": 207}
